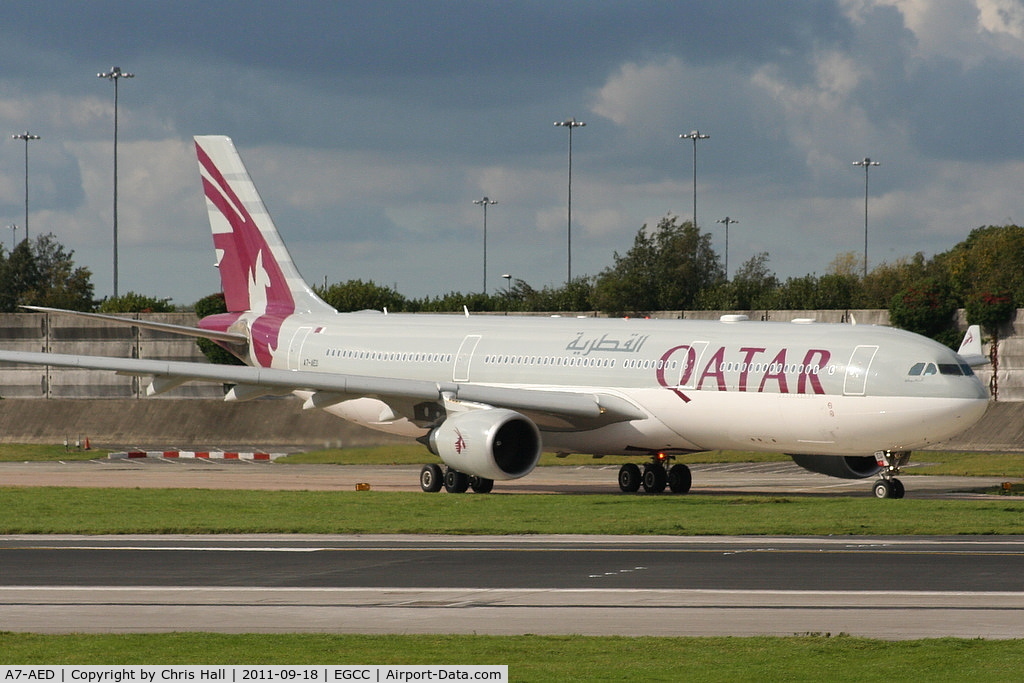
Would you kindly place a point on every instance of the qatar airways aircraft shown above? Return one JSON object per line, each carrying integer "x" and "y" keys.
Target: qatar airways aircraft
{"x": 486, "y": 394}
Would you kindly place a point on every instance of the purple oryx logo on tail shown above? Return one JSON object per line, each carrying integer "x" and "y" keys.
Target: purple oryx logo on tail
{"x": 250, "y": 275}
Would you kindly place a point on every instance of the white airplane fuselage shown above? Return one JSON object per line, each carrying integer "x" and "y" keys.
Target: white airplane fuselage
{"x": 799, "y": 388}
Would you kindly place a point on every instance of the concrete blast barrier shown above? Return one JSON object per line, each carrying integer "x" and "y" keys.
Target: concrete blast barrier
{"x": 196, "y": 423}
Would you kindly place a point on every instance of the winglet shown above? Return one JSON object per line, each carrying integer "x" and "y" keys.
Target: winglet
{"x": 970, "y": 348}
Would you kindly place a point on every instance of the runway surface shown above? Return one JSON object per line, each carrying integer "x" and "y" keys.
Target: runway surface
{"x": 891, "y": 588}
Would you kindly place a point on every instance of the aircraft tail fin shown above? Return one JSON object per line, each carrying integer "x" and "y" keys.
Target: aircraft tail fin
{"x": 970, "y": 348}
{"x": 256, "y": 271}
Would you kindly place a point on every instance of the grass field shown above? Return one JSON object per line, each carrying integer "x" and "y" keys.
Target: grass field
{"x": 556, "y": 658}
{"x": 19, "y": 452}
{"x": 59, "y": 510}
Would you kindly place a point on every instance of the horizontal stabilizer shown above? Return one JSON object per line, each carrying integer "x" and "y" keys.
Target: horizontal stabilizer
{"x": 185, "y": 330}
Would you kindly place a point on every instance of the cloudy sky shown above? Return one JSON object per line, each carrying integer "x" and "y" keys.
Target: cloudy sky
{"x": 370, "y": 128}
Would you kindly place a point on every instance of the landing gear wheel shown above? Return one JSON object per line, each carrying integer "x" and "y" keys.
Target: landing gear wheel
{"x": 431, "y": 479}
{"x": 629, "y": 478}
{"x": 481, "y": 484}
{"x": 891, "y": 461}
{"x": 655, "y": 479}
{"x": 679, "y": 479}
{"x": 455, "y": 481}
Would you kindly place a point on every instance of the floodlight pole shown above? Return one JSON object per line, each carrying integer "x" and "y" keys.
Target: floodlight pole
{"x": 485, "y": 202}
{"x": 727, "y": 221}
{"x": 867, "y": 164}
{"x": 114, "y": 75}
{"x": 26, "y": 136}
{"x": 569, "y": 123}
{"x": 508, "y": 291}
{"x": 695, "y": 136}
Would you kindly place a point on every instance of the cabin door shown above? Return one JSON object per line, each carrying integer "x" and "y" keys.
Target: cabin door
{"x": 463, "y": 359}
{"x": 857, "y": 370}
{"x": 295, "y": 347}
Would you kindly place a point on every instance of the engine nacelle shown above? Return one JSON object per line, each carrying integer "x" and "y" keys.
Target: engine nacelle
{"x": 842, "y": 466}
{"x": 494, "y": 443}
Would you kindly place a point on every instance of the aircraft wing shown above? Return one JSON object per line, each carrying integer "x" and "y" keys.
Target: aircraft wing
{"x": 574, "y": 407}
{"x": 149, "y": 325}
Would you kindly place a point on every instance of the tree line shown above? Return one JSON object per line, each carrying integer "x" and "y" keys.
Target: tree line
{"x": 670, "y": 266}
{"x": 42, "y": 272}
{"x": 673, "y": 267}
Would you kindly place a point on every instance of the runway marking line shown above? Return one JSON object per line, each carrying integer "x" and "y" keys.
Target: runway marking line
{"x": 434, "y": 589}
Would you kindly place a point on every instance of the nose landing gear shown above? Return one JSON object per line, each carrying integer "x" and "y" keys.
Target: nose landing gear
{"x": 891, "y": 462}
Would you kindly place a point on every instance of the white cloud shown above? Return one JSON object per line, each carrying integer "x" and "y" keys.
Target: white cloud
{"x": 637, "y": 92}
{"x": 1002, "y": 17}
{"x": 967, "y": 31}
{"x": 821, "y": 120}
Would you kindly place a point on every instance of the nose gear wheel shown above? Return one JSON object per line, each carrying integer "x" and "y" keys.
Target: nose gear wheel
{"x": 888, "y": 486}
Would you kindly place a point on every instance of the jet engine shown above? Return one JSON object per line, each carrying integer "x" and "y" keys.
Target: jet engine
{"x": 844, "y": 467}
{"x": 493, "y": 443}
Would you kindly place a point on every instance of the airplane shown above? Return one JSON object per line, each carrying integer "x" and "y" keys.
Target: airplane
{"x": 487, "y": 394}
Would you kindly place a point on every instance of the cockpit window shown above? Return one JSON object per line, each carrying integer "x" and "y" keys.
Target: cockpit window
{"x": 955, "y": 369}
{"x": 923, "y": 369}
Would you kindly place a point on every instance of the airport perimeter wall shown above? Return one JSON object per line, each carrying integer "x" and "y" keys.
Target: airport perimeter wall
{"x": 189, "y": 424}
{"x": 56, "y": 333}
{"x": 44, "y": 405}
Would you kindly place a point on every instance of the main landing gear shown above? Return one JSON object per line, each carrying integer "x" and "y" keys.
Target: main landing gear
{"x": 655, "y": 476}
{"x": 889, "y": 486}
{"x": 433, "y": 479}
